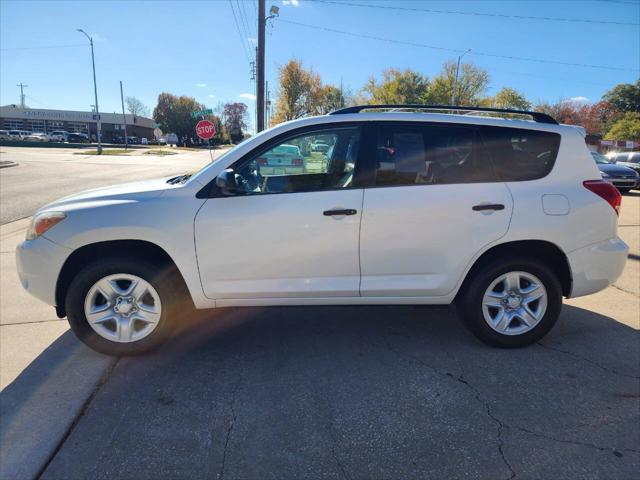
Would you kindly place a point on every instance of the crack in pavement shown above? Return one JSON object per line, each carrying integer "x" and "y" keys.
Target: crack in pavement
{"x": 500, "y": 423}
{"x": 234, "y": 416}
{"x": 477, "y": 396}
{"x": 583, "y": 359}
{"x": 623, "y": 290}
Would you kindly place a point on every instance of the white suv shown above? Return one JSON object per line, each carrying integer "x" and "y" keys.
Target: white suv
{"x": 502, "y": 216}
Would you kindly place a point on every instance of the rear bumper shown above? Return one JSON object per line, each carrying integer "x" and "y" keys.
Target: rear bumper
{"x": 595, "y": 267}
{"x": 39, "y": 263}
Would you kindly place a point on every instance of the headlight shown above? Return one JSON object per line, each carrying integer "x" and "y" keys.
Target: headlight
{"x": 43, "y": 222}
{"x": 604, "y": 174}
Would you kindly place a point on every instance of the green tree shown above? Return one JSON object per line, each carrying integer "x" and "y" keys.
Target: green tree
{"x": 470, "y": 88}
{"x": 327, "y": 99}
{"x": 173, "y": 114}
{"x": 396, "y": 86}
{"x": 297, "y": 94}
{"x": 626, "y": 128}
{"x": 510, "y": 98}
{"x": 625, "y": 97}
{"x": 235, "y": 120}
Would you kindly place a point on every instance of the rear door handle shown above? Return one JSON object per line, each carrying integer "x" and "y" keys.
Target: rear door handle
{"x": 488, "y": 206}
{"x": 344, "y": 211}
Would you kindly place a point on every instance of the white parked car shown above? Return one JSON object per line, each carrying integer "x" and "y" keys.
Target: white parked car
{"x": 59, "y": 136}
{"x": 17, "y": 134}
{"x": 36, "y": 137}
{"x": 502, "y": 216}
{"x": 282, "y": 159}
{"x": 4, "y": 135}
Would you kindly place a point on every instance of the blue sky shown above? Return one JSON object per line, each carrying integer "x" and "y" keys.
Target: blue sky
{"x": 195, "y": 48}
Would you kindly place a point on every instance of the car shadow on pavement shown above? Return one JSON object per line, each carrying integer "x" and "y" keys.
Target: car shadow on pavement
{"x": 352, "y": 392}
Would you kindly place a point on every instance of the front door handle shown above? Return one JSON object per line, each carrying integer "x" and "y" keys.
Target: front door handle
{"x": 488, "y": 206}
{"x": 343, "y": 211}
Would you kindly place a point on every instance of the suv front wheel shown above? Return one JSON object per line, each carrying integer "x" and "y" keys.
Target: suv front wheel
{"x": 122, "y": 306}
{"x": 512, "y": 302}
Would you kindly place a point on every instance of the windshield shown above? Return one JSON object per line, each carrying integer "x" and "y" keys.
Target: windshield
{"x": 198, "y": 172}
{"x": 600, "y": 159}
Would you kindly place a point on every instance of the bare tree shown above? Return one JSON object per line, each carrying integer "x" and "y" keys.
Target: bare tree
{"x": 136, "y": 107}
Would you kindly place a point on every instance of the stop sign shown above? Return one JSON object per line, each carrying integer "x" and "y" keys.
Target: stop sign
{"x": 205, "y": 129}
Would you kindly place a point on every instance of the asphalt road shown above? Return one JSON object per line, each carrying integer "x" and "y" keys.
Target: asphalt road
{"x": 46, "y": 174}
{"x": 330, "y": 392}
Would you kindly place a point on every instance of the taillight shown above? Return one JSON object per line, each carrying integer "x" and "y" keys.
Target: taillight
{"x": 605, "y": 191}
{"x": 296, "y": 161}
{"x": 262, "y": 161}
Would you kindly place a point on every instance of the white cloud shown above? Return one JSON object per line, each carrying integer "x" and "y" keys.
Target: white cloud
{"x": 201, "y": 85}
{"x": 579, "y": 99}
{"x": 249, "y": 96}
{"x": 294, "y": 3}
{"x": 211, "y": 95}
{"x": 252, "y": 40}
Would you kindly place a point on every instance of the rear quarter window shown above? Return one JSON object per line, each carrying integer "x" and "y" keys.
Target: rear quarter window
{"x": 519, "y": 154}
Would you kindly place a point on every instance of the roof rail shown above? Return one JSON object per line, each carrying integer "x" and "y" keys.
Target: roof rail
{"x": 536, "y": 116}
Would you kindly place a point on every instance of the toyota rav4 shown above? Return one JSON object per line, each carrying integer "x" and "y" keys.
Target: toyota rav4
{"x": 411, "y": 205}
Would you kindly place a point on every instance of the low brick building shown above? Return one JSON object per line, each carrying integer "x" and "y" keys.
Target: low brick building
{"x": 13, "y": 117}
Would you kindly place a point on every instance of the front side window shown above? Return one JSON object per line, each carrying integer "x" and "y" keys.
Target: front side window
{"x": 410, "y": 155}
{"x": 312, "y": 161}
{"x": 519, "y": 154}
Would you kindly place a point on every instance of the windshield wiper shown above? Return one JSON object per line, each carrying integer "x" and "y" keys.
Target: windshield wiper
{"x": 179, "y": 179}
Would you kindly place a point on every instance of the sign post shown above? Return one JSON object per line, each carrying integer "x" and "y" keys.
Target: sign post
{"x": 206, "y": 131}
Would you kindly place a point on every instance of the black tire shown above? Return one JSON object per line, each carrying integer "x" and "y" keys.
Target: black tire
{"x": 624, "y": 190}
{"x": 162, "y": 280}
{"x": 470, "y": 301}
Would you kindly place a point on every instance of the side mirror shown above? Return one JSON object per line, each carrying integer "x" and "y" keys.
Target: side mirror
{"x": 226, "y": 182}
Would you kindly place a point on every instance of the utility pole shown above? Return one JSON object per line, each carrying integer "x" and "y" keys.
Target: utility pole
{"x": 268, "y": 105}
{"x": 95, "y": 91}
{"x": 455, "y": 82}
{"x": 262, "y": 23}
{"x": 22, "y": 86}
{"x": 124, "y": 118}
{"x": 260, "y": 60}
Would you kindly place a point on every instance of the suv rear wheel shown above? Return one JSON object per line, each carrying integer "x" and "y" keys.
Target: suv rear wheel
{"x": 121, "y": 306}
{"x": 512, "y": 302}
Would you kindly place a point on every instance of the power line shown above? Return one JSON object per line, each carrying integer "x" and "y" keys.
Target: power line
{"x": 479, "y": 14}
{"x": 245, "y": 18}
{"x": 474, "y": 52}
{"x": 44, "y": 47}
{"x": 242, "y": 38}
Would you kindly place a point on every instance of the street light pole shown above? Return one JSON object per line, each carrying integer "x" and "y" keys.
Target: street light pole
{"x": 95, "y": 91}
{"x": 455, "y": 82}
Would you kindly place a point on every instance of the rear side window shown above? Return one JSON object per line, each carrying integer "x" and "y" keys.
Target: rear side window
{"x": 432, "y": 154}
{"x": 518, "y": 154}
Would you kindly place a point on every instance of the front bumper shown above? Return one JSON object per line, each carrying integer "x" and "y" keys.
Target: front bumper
{"x": 39, "y": 263}
{"x": 595, "y": 267}
{"x": 623, "y": 182}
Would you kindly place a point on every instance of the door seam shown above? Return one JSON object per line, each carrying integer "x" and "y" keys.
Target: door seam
{"x": 359, "y": 241}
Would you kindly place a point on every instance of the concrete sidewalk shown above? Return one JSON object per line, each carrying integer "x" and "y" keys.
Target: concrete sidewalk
{"x": 46, "y": 374}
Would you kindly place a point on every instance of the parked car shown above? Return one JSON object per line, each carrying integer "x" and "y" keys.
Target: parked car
{"x": 282, "y": 159}
{"x": 319, "y": 147}
{"x": 504, "y": 217}
{"x": 133, "y": 140}
{"x": 37, "y": 137}
{"x": 628, "y": 159}
{"x": 4, "y": 135}
{"x": 171, "y": 139}
{"x": 17, "y": 134}
{"x": 78, "y": 138}
{"x": 58, "y": 136}
{"x": 621, "y": 177}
